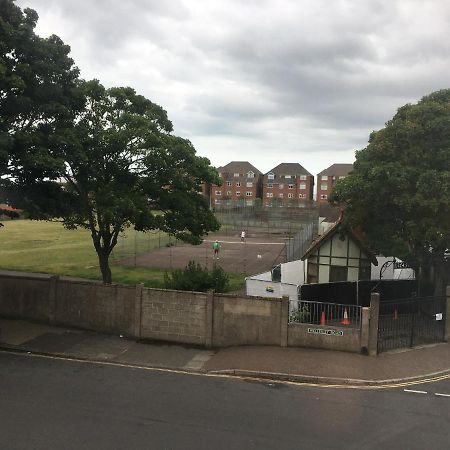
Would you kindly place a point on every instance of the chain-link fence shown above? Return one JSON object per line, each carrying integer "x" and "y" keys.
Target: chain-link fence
{"x": 281, "y": 221}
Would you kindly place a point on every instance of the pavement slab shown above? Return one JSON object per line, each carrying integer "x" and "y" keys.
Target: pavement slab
{"x": 267, "y": 361}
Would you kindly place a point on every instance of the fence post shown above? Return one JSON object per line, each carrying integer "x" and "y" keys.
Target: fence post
{"x": 365, "y": 329}
{"x": 284, "y": 318}
{"x": 373, "y": 323}
{"x": 209, "y": 319}
{"x": 447, "y": 317}
{"x": 138, "y": 310}
{"x": 52, "y": 299}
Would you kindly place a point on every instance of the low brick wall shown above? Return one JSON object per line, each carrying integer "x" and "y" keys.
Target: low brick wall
{"x": 325, "y": 337}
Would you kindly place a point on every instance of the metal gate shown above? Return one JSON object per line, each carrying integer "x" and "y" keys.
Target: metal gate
{"x": 410, "y": 322}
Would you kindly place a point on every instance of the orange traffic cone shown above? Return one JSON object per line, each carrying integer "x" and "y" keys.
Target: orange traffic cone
{"x": 395, "y": 314}
{"x": 345, "y": 320}
{"x": 322, "y": 318}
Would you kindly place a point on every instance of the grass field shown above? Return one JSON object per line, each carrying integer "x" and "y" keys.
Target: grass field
{"x": 37, "y": 246}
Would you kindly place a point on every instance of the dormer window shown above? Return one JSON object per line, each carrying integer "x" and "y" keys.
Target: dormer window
{"x": 236, "y": 175}
{"x": 270, "y": 176}
{"x": 287, "y": 176}
{"x": 251, "y": 174}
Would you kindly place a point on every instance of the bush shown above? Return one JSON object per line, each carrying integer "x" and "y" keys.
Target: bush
{"x": 194, "y": 277}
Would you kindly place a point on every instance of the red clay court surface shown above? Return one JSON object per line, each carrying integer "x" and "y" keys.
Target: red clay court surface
{"x": 234, "y": 256}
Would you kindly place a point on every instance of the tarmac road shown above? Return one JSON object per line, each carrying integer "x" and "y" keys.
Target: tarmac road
{"x": 49, "y": 403}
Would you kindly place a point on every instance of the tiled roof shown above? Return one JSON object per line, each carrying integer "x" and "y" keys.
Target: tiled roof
{"x": 289, "y": 169}
{"x": 331, "y": 232}
{"x": 337, "y": 170}
{"x": 239, "y": 167}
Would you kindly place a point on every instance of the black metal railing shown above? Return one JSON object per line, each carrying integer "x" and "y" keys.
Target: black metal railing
{"x": 326, "y": 314}
{"x": 411, "y": 322}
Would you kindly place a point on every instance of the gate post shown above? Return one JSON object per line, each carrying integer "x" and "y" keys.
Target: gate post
{"x": 447, "y": 317}
{"x": 373, "y": 323}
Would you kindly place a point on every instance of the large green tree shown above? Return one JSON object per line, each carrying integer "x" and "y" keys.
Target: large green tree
{"x": 37, "y": 90}
{"x": 120, "y": 165}
{"x": 399, "y": 191}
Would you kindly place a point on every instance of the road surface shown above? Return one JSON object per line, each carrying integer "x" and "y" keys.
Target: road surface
{"x": 60, "y": 404}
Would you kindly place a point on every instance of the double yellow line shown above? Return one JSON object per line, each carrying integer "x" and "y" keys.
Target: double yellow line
{"x": 430, "y": 379}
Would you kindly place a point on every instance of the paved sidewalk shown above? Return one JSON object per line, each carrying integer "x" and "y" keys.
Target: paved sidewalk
{"x": 272, "y": 362}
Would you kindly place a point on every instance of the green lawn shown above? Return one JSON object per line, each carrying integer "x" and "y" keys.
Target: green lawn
{"x": 37, "y": 246}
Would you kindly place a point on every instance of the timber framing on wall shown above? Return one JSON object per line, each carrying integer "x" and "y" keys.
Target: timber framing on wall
{"x": 338, "y": 255}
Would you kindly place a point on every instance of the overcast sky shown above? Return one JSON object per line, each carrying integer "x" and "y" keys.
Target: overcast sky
{"x": 263, "y": 80}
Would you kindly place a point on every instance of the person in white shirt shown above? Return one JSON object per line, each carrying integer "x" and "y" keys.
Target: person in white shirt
{"x": 242, "y": 236}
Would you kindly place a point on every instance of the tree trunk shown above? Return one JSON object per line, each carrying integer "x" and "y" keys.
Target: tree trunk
{"x": 103, "y": 259}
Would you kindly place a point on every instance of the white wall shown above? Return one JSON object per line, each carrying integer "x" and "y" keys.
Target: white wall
{"x": 293, "y": 272}
{"x": 390, "y": 273}
{"x": 261, "y": 288}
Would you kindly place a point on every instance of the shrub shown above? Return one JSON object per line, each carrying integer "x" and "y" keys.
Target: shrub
{"x": 194, "y": 277}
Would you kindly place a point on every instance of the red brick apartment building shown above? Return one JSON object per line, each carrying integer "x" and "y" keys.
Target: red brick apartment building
{"x": 240, "y": 181}
{"x": 327, "y": 179}
{"x": 287, "y": 184}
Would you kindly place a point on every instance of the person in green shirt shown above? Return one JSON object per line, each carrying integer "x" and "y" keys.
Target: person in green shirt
{"x": 216, "y": 248}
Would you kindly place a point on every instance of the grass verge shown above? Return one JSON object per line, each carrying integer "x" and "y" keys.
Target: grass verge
{"x": 47, "y": 247}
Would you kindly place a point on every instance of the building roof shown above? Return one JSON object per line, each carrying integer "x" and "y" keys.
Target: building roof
{"x": 337, "y": 170}
{"x": 289, "y": 169}
{"x": 239, "y": 167}
{"x": 329, "y": 212}
{"x": 331, "y": 232}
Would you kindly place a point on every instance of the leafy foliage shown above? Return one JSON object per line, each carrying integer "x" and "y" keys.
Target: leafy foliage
{"x": 119, "y": 165}
{"x": 399, "y": 190}
{"x": 37, "y": 90}
{"x": 196, "y": 278}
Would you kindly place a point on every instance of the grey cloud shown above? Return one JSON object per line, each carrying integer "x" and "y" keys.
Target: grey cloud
{"x": 303, "y": 75}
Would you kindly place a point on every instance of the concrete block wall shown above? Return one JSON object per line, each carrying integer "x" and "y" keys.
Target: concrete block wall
{"x": 24, "y": 297}
{"x": 175, "y": 316}
{"x": 93, "y": 306}
{"x": 246, "y": 321}
{"x": 349, "y": 340}
{"x": 206, "y": 319}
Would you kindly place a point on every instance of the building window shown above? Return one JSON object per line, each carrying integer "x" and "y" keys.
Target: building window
{"x": 229, "y": 183}
{"x": 251, "y": 174}
{"x": 281, "y": 186}
{"x": 269, "y": 194}
{"x": 238, "y": 184}
{"x": 323, "y": 187}
{"x": 229, "y": 193}
{"x": 324, "y": 196}
{"x": 238, "y": 193}
{"x": 249, "y": 184}
{"x": 281, "y": 195}
{"x": 324, "y": 178}
{"x": 342, "y": 176}
{"x": 236, "y": 175}
{"x": 301, "y": 195}
{"x": 290, "y": 195}
{"x": 291, "y": 186}
{"x": 302, "y": 186}
{"x": 249, "y": 202}
{"x": 217, "y": 202}
{"x": 248, "y": 193}
{"x": 218, "y": 192}
{"x": 302, "y": 177}
{"x": 270, "y": 176}
{"x": 287, "y": 176}
{"x": 269, "y": 186}
{"x": 338, "y": 273}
